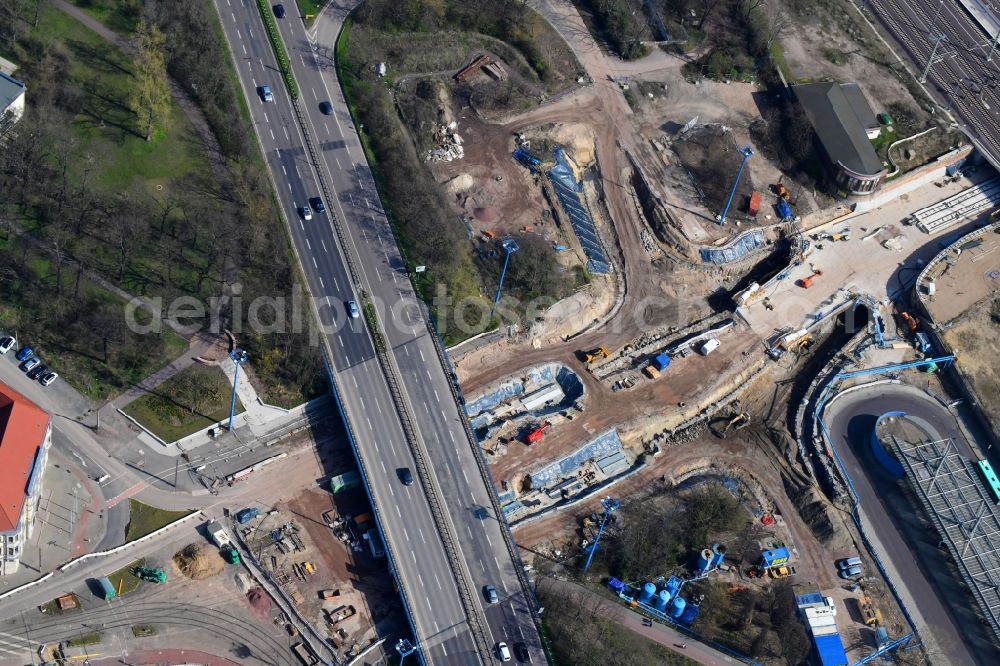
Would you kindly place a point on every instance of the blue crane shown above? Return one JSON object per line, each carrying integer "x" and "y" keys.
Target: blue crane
{"x": 610, "y": 506}
{"x": 747, "y": 153}
{"x": 509, "y": 247}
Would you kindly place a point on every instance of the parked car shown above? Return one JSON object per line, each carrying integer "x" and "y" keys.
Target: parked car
{"x": 306, "y": 213}
{"x": 279, "y": 11}
{"x": 38, "y": 371}
{"x": 352, "y": 309}
{"x": 317, "y": 203}
{"x": 266, "y": 94}
{"x": 406, "y": 476}
{"x": 847, "y": 574}
{"x": 7, "y": 344}
{"x": 521, "y": 652}
{"x": 848, "y": 562}
{"x": 48, "y": 378}
{"x": 326, "y": 108}
{"x": 24, "y": 354}
{"x": 28, "y": 365}
{"x": 490, "y": 592}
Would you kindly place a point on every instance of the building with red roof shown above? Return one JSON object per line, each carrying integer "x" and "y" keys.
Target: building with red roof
{"x": 25, "y": 438}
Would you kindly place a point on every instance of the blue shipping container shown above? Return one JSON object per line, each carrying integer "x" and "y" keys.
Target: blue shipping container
{"x": 774, "y": 557}
{"x": 831, "y": 650}
{"x": 784, "y": 210}
{"x": 246, "y": 515}
{"x": 661, "y": 362}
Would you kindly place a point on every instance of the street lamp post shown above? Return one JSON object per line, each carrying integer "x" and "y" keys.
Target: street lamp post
{"x": 239, "y": 357}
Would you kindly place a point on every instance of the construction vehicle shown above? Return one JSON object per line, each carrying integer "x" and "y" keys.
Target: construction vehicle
{"x": 230, "y": 554}
{"x": 150, "y": 574}
{"x": 735, "y": 422}
{"x": 783, "y": 192}
{"x": 781, "y": 572}
{"x": 537, "y": 433}
{"x": 651, "y": 372}
{"x": 748, "y": 295}
{"x": 869, "y": 612}
{"x": 807, "y": 282}
{"x": 309, "y": 567}
{"x": 218, "y": 534}
{"x": 594, "y": 354}
{"x": 912, "y": 322}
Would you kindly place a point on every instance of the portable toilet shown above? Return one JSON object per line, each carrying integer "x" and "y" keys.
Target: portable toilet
{"x": 662, "y": 599}
{"x": 677, "y": 607}
{"x": 718, "y": 554}
{"x": 648, "y": 590}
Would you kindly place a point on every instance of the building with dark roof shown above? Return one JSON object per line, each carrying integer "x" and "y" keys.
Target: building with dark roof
{"x": 844, "y": 123}
{"x": 25, "y": 438}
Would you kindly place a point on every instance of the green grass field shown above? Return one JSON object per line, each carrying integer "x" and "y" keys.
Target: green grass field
{"x": 193, "y": 399}
{"x": 144, "y": 519}
{"x": 123, "y": 581}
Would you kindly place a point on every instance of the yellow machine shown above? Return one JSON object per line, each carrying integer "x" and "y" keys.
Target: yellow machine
{"x": 594, "y": 354}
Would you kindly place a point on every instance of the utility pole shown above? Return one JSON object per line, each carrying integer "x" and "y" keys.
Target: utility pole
{"x": 993, "y": 48}
{"x": 239, "y": 357}
{"x": 610, "y": 506}
{"x": 747, "y": 153}
{"x": 509, "y": 247}
{"x": 933, "y": 59}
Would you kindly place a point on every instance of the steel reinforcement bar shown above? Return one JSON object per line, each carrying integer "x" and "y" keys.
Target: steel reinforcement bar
{"x": 432, "y": 492}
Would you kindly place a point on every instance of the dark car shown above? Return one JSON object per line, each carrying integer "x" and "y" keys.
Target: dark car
{"x": 24, "y": 354}
{"x": 279, "y": 11}
{"x": 326, "y": 108}
{"x": 317, "y": 203}
{"x": 406, "y": 476}
{"x": 490, "y": 592}
{"x": 521, "y": 652}
{"x": 37, "y": 371}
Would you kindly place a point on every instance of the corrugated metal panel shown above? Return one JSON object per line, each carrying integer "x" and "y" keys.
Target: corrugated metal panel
{"x": 535, "y": 399}
{"x": 831, "y": 651}
{"x": 810, "y": 599}
{"x": 824, "y": 630}
{"x": 822, "y": 621}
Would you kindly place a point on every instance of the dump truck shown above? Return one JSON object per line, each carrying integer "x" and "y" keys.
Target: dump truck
{"x": 230, "y": 554}
{"x": 781, "y": 572}
{"x": 594, "y": 354}
{"x": 753, "y": 206}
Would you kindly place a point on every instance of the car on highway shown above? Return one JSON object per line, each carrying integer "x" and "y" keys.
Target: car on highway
{"x": 521, "y": 652}
{"x": 279, "y": 11}
{"x": 38, "y": 371}
{"x": 352, "y": 309}
{"x": 265, "y": 93}
{"x": 406, "y": 476}
{"x": 490, "y": 592}
{"x": 847, "y": 574}
{"x": 48, "y": 378}
{"x": 503, "y": 652}
{"x": 7, "y": 344}
{"x": 326, "y": 108}
{"x": 317, "y": 203}
{"x": 306, "y": 212}
{"x": 28, "y": 365}
{"x": 24, "y": 354}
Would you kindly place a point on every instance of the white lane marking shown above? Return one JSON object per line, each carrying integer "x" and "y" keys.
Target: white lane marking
{"x": 288, "y": 138}
{"x": 414, "y": 556}
{"x": 425, "y": 543}
{"x": 250, "y": 32}
{"x": 283, "y": 170}
{"x": 498, "y": 563}
{"x": 482, "y": 565}
{"x": 315, "y": 265}
{"x": 313, "y": 90}
{"x": 289, "y": 187}
{"x": 302, "y": 225}
{"x": 327, "y": 128}
{"x": 392, "y": 492}
{"x": 419, "y": 577}
{"x": 297, "y": 171}
{"x": 401, "y": 515}
{"x": 265, "y": 117}
{"x": 488, "y": 540}
{"x": 384, "y": 470}
{"x": 438, "y": 581}
{"x": 244, "y": 49}
{"x": 422, "y": 355}
{"x": 338, "y": 163}
{"x": 472, "y": 497}
{"x": 272, "y": 134}
{"x": 321, "y": 285}
{"x": 426, "y": 600}
{"x": 308, "y": 245}
{"x": 302, "y": 59}
{"x": 407, "y": 535}
{"x": 369, "y": 424}
{"x": 437, "y": 397}
{"x": 323, "y": 243}
{"x": 233, "y": 14}
{"x": 464, "y": 476}
{"x": 406, "y": 350}
{"x": 362, "y": 402}
{"x": 254, "y": 81}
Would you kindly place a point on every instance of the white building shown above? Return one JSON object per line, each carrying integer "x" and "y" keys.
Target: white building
{"x": 25, "y": 438}
{"x": 11, "y": 101}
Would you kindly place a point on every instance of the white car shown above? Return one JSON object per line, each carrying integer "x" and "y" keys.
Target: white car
{"x": 48, "y": 378}
{"x": 307, "y": 213}
{"x": 7, "y": 344}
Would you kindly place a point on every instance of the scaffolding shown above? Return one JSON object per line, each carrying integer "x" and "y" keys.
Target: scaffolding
{"x": 960, "y": 506}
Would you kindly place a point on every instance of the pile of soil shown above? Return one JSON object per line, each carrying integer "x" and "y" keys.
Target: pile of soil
{"x": 198, "y": 562}
{"x": 259, "y": 602}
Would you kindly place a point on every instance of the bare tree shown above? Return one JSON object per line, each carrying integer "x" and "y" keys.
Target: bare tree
{"x": 776, "y": 23}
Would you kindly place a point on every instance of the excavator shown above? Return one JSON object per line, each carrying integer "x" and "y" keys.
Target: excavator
{"x": 912, "y": 322}
{"x": 807, "y": 282}
{"x": 736, "y": 421}
{"x": 153, "y": 575}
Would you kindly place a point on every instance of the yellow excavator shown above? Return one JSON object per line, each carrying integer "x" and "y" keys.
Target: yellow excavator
{"x": 595, "y": 354}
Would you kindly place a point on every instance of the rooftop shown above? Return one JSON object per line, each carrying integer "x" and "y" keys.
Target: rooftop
{"x": 10, "y": 90}
{"x": 22, "y": 432}
{"x": 839, "y": 114}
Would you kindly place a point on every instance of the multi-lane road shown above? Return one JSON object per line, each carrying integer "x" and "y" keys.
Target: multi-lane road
{"x": 961, "y": 76}
{"x": 432, "y": 585}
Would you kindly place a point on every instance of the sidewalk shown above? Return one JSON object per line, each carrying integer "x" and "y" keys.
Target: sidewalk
{"x": 199, "y": 346}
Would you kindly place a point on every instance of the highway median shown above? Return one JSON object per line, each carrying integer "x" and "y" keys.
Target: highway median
{"x": 280, "y": 53}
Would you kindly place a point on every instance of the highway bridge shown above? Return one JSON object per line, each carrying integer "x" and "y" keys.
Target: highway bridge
{"x": 445, "y": 535}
